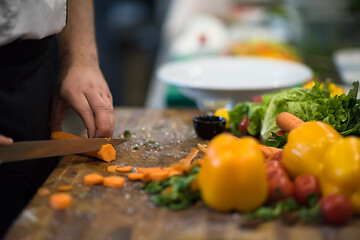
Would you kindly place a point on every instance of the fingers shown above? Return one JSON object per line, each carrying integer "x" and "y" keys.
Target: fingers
{"x": 5, "y": 141}
{"x": 82, "y": 107}
{"x": 86, "y": 91}
{"x": 101, "y": 105}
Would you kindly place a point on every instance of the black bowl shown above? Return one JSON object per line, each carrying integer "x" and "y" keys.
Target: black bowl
{"x": 207, "y": 127}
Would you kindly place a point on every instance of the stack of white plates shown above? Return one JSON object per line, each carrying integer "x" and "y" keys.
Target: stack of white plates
{"x": 347, "y": 62}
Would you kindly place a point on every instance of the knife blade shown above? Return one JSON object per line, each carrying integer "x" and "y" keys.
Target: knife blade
{"x": 50, "y": 148}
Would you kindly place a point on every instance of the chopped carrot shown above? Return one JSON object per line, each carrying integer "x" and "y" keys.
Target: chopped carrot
{"x": 187, "y": 160}
{"x": 114, "y": 181}
{"x": 146, "y": 178}
{"x": 168, "y": 169}
{"x": 158, "y": 176}
{"x": 43, "y": 191}
{"x": 288, "y": 122}
{"x": 148, "y": 170}
{"x": 194, "y": 185}
{"x": 202, "y": 148}
{"x": 271, "y": 153}
{"x": 178, "y": 167}
{"x": 135, "y": 176}
{"x": 106, "y": 152}
{"x": 124, "y": 169}
{"x": 174, "y": 172}
{"x": 60, "y": 201}
{"x": 64, "y": 188}
{"x": 93, "y": 178}
{"x": 167, "y": 190}
{"x": 112, "y": 168}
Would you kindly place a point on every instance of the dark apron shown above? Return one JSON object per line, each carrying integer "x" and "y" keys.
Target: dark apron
{"x": 26, "y": 81}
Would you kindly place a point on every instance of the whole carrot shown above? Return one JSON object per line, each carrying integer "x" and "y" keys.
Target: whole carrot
{"x": 288, "y": 122}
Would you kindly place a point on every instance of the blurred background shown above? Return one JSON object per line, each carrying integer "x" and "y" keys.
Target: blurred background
{"x": 134, "y": 37}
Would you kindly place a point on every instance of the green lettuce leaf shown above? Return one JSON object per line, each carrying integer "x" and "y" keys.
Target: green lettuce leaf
{"x": 315, "y": 104}
{"x": 255, "y": 112}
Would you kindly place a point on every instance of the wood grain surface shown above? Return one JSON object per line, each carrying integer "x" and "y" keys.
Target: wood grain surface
{"x": 98, "y": 212}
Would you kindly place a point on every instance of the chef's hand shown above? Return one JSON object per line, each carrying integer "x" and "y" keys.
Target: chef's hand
{"x": 5, "y": 141}
{"x": 84, "y": 89}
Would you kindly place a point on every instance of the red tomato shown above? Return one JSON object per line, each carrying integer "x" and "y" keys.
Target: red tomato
{"x": 336, "y": 209}
{"x": 304, "y": 186}
{"x": 279, "y": 133}
{"x": 257, "y": 99}
{"x": 244, "y": 124}
{"x": 280, "y": 188}
{"x": 275, "y": 169}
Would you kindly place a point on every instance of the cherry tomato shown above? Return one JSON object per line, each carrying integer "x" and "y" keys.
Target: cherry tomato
{"x": 275, "y": 169}
{"x": 243, "y": 125}
{"x": 280, "y": 186}
{"x": 280, "y": 133}
{"x": 336, "y": 209}
{"x": 257, "y": 99}
{"x": 304, "y": 186}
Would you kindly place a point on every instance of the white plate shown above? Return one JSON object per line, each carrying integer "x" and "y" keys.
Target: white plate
{"x": 215, "y": 82}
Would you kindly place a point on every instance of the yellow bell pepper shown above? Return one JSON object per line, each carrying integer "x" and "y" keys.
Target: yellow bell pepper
{"x": 341, "y": 173}
{"x": 335, "y": 90}
{"x": 332, "y": 87}
{"x": 223, "y": 112}
{"x": 305, "y": 148}
{"x": 233, "y": 175}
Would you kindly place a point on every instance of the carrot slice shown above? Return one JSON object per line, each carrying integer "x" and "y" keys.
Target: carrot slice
{"x": 43, "y": 191}
{"x": 112, "y": 168}
{"x": 60, "y": 201}
{"x": 167, "y": 190}
{"x": 158, "y": 176}
{"x": 114, "y": 181}
{"x": 146, "y": 178}
{"x": 288, "y": 122}
{"x": 64, "y": 188}
{"x": 106, "y": 152}
{"x": 202, "y": 148}
{"x": 187, "y": 160}
{"x": 124, "y": 169}
{"x": 93, "y": 178}
{"x": 178, "y": 167}
{"x": 174, "y": 172}
{"x": 135, "y": 176}
{"x": 148, "y": 170}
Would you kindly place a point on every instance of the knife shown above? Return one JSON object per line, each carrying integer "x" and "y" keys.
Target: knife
{"x": 50, "y": 148}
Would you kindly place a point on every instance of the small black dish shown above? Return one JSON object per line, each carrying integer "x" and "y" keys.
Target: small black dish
{"x": 207, "y": 127}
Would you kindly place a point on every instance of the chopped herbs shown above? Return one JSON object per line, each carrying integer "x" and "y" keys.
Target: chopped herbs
{"x": 135, "y": 146}
{"x": 174, "y": 193}
{"x": 127, "y": 133}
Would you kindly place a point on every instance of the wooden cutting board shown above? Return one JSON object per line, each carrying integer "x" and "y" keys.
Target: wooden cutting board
{"x": 127, "y": 213}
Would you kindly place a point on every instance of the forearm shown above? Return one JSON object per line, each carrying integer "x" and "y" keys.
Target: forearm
{"x": 77, "y": 45}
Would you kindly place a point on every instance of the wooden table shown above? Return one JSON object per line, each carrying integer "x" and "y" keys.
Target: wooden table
{"x": 127, "y": 213}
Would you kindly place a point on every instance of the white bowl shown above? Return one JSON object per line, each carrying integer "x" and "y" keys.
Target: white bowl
{"x": 347, "y": 62}
{"x": 215, "y": 82}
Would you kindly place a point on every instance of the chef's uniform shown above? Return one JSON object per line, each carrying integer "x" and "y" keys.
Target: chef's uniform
{"x": 26, "y": 86}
